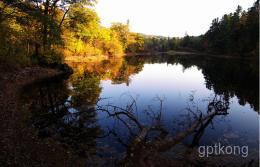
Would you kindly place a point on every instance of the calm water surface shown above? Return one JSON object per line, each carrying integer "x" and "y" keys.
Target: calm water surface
{"x": 68, "y": 111}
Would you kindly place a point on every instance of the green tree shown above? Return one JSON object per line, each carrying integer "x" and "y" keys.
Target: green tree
{"x": 236, "y": 33}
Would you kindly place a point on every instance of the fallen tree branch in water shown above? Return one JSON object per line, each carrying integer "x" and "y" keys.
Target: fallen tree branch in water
{"x": 140, "y": 147}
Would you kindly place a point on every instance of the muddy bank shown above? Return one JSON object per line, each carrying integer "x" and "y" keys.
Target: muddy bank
{"x": 11, "y": 83}
{"x": 21, "y": 147}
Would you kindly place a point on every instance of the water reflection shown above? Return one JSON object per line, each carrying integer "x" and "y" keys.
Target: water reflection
{"x": 54, "y": 117}
{"x": 230, "y": 78}
{"x": 125, "y": 111}
{"x": 146, "y": 141}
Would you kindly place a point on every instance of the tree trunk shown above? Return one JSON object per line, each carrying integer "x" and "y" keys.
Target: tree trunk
{"x": 45, "y": 25}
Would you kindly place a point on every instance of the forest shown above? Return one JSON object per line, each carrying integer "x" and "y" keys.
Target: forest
{"x": 40, "y": 32}
{"x": 45, "y": 32}
{"x": 77, "y": 93}
{"x": 234, "y": 34}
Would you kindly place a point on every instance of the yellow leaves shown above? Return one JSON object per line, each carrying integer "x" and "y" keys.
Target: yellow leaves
{"x": 15, "y": 26}
{"x": 113, "y": 47}
{"x": 84, "y": 36}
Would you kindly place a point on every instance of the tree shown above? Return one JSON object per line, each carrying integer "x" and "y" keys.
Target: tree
{"x": 236, "y": 33}
{"x": 46, "y": 12}
{"x": 122, "y": 32}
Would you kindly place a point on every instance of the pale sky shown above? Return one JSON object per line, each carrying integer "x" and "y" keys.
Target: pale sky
{"x": 167, "y": 17}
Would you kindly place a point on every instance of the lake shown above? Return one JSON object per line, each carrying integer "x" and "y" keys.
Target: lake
{"x": 102, "y": 108}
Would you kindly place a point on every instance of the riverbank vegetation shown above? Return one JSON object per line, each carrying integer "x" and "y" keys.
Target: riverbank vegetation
{"x": 46, "y": 32}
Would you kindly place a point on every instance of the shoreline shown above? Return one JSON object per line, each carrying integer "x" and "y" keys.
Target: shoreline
{"x": 83, "y": 59}
{"x": 12, "y": 152}
{"x": 12, "y": 82}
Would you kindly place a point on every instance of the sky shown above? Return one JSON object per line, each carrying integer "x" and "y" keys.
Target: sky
{"x": 171, "y": 18}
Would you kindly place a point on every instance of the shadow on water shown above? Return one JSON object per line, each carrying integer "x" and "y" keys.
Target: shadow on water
{"x": 67, "y": 113}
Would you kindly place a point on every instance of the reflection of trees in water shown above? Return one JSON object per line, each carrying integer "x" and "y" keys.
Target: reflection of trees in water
{"x": 118, "y": 70}
{"x": 54, "y": 116}
{"x": 86, "y": 89}
{"x": 237, "y": 78}
{"x": 69, "y": 116}
{"x": 226, "y": 77}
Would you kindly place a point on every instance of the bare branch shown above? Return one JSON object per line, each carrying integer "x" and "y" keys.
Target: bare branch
{"x": 63, "y": 18}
